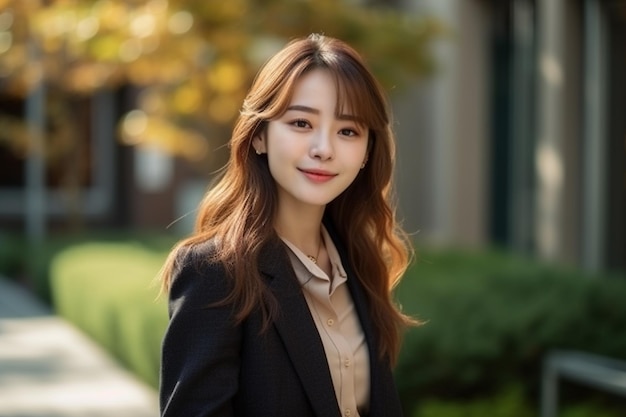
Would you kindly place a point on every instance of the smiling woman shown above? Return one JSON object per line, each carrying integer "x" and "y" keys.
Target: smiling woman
{"x": 280, "y": 301}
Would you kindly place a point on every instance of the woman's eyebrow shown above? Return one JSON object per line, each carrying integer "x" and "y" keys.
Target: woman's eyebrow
{"x": 307, "y": 109}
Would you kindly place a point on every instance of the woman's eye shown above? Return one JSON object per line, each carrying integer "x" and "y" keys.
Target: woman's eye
{"x": 303, "y": 124}
{"x": 348, "y": 132}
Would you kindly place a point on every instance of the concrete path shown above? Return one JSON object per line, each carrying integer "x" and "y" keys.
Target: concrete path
{"x": 48, "y": 368}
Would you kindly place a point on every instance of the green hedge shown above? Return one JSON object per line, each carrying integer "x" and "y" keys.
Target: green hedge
{"x": 508, "y": 402}
{"x": 491, "y": 318}
{"x": 29, "y": 264}
{"x": 108, "y": 291}
{"x": 11, "y": 254}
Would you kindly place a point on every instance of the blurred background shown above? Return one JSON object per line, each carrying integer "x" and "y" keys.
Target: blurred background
{"x": 511, "y": 171}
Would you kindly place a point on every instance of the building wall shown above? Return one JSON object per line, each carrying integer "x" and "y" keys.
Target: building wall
{"x": 443, "y": 132}
{"x": 558, "y": 198}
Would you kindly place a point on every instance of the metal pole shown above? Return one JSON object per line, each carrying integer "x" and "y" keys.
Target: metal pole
{"x": 103, "y": 134}
{"x": 549, "y": 390}
{"x": 35, "y": 163}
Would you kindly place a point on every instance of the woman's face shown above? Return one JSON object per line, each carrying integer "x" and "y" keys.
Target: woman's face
{"x": 313, "y": 154}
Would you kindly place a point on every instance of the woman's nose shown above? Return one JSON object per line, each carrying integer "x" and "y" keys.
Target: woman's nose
{"x": 322, "y": 146}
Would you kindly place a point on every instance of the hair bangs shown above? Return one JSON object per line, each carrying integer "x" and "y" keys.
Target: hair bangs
{"x": 279, "y": 101}
{"x": 358, "y": 96}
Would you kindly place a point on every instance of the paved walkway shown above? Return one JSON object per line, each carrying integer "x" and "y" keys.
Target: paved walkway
{"x": 48, "y": 368}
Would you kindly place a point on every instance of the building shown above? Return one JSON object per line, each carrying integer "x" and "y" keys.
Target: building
{"x": 521, "y": 139}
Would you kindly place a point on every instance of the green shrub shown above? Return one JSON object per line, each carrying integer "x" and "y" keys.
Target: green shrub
{"x": 30, "y": 263}
{"x": 589, "y": 410}
{"x": 509, "y": 402}
{"x": 12, "y": 248}
{"x": 105, "y": 289}
{"x": 491, "y": 318}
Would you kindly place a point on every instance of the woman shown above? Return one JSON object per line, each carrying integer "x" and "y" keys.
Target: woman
{"x": 280, "y": 300}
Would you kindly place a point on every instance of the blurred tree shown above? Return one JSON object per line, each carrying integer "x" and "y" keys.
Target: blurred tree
{"x": 191, "y": 60}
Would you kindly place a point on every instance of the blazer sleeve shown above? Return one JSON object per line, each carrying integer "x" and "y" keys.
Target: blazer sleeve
{"x": 201, "y": 347}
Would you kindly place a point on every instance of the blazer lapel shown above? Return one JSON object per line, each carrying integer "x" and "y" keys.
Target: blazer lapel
{"x": 380, "y": 373}
{"x": 297, "y": 329}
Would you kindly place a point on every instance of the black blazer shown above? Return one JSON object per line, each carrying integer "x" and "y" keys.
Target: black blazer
{"x": 212, "y": 367}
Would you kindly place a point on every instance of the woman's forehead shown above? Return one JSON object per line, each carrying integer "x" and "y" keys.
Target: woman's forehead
{"x": 320, "y": 89}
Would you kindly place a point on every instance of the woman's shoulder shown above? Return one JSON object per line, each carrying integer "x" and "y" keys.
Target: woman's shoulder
{"x": 196, "y": 253}
{"x": 197, "y": 264}
{"x": 197, "y": 279}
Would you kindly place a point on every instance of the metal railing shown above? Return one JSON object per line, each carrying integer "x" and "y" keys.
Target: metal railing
{"x": 595, "y": 371}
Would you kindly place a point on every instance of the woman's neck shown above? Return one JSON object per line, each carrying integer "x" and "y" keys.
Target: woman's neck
{"x": 302, "y": 228}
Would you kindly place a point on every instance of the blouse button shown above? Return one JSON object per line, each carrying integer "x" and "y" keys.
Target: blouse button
{"x": 347, "y": 412}
{"x": 346, "y": 363}
{"x": 330, "y": 322}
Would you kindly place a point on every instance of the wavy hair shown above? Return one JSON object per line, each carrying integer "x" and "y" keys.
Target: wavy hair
{"x": 238, "y": 211}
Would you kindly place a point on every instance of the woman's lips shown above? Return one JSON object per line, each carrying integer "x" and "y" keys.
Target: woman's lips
{"x": 317, "y": 175}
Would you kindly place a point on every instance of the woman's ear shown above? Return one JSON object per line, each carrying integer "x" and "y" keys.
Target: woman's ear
{"x": 367, "y": 155}
{"x": 258, "y": 143}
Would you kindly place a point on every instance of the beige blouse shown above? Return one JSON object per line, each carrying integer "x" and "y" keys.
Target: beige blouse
{"x": 339, "y": 327}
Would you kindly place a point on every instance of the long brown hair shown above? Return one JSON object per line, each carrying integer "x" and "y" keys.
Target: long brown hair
{"x": 239, "y": 210}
